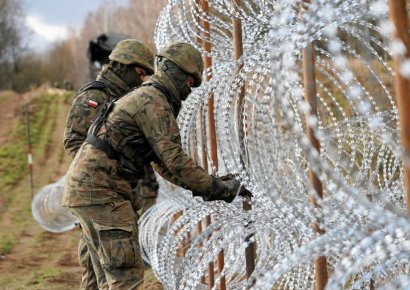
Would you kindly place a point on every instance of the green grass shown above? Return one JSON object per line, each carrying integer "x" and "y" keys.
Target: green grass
{"x": 40, "y": 277}
{"x": 44, "y": 112}
{"x": 21, "y": 219}
{"x": 43, "y": 122}
{"x": 14, "y": 156}
{"x": 14, "y": 166}
{"x": 14, "y": 163}
{"x": 6, "y": 245}
{"x": 4, "y": 95}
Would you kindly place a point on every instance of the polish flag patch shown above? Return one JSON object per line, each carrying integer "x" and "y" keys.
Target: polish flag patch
{"x": 92, "y": 104}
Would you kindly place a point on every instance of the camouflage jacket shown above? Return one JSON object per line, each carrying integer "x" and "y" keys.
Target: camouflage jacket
{"x": 86, "y": 106}
{"x": 142, "y": 121}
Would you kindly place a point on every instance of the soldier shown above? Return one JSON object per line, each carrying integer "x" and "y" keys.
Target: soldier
{"x": 138, "y": 129}
{"x": 99, "y": 50}
{"x": 130, "y": 62}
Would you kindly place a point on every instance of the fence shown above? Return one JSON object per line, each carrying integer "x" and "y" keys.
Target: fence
{"x": 300, "y": 103}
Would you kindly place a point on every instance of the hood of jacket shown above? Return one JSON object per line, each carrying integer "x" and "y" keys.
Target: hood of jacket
{"x": 115, "y": 85}
{"x": 165, "y": 81}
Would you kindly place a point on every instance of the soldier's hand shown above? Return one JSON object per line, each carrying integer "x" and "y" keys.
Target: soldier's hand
{"x": 242, "y": 190}
{"x": 245, "y": 193}
{"x": 225, "y": 190}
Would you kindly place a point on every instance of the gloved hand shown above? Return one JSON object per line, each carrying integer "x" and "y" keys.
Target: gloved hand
{"x": 242, "y": 191}
{"x": 225, "y": 190}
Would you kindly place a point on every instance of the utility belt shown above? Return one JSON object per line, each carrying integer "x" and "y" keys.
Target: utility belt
{"x": 126, "y": 168}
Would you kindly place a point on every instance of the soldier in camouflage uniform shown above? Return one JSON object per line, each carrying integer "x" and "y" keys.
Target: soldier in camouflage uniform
{"x": 130, "y": 62}
{"x": 139, "y": 129}
{"x": 148, "y": 189}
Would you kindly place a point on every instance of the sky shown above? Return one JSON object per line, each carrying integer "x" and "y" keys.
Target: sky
{"x": 49, "y": 19}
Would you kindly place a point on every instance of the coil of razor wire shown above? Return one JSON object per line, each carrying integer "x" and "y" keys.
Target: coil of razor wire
{"x": 362, "y": 214}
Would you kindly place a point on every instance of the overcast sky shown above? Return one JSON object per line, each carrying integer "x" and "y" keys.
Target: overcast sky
{"x": 49, "y": 19}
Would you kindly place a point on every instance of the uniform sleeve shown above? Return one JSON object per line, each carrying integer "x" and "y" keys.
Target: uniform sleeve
{"x": 84, "y": 109}
{"x": 158, "y": 124}
{"x": 164, "y": 172}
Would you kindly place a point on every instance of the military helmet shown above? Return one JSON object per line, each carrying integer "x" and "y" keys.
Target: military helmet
{"x": 100, "y": 48}
{"x": 186, "y": 57}
{"x": 131, "y": 51}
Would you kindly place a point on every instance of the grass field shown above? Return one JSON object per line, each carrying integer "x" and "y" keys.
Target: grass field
{"x": 30, "y": 257}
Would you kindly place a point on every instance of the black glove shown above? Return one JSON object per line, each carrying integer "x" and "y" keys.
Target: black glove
{"x": 242, "y": 191}
{"x": 225, "y": 190}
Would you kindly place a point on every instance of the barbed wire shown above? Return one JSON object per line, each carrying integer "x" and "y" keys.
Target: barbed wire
{"x": 362, "y": 214}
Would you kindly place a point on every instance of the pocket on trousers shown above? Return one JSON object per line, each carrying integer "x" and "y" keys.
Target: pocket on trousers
{"x": 118, "y": 246}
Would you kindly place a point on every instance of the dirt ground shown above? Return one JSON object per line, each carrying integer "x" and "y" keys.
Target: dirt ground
{"x": 33, "y": 258}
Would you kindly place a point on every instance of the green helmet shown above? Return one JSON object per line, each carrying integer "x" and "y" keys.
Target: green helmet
{"x": 186, "y": 57}
{"x": 131, "y": 51}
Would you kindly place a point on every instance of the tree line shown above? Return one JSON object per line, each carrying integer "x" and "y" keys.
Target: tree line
{"x": 22, "y": 68}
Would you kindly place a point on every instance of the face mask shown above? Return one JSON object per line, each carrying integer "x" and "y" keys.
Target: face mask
{"x": 131, "y": 78}
{"x": 179, "y": 77}
{"x": 184, "y": 92}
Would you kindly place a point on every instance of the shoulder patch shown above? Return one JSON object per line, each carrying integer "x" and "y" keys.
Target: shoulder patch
{"x": 92, "y": 104}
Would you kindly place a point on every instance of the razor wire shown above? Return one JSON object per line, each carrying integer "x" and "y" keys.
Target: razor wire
{"x": 47, "y": 210}
{"x": 363, "y": 212}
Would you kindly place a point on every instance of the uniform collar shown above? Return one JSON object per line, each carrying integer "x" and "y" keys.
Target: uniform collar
{"x": 161, "y": 78}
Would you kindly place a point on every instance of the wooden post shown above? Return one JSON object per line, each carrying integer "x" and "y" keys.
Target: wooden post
{"x": 398, "y": 15}
{"x": 250, "y": 251}
{"x": 207, "y": 222}
{"x": 175, "y": 217}
{"x": 198, "y": 227}
{"x": 208, "y": 66}
{"x": 211, "y": 119}
{"x": 198, "y": 231}
{"x": 29, "y": 148}
{"x": 212, "y": 132}
{"x": 309, "y": 81}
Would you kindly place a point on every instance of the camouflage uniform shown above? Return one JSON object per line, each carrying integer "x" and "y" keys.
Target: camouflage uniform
{"x": 141, "y": 123}
{"x": 141, "y": 128}
{"x": 85, "y": 107}
{"x": 148, "y": 188}
{"x": 112, "y": 238}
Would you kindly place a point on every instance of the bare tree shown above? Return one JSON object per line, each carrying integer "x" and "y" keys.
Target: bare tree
{"x": 67, "y": 60}
{"x": 12, "y": 32}
{"x": 137, "y": 19}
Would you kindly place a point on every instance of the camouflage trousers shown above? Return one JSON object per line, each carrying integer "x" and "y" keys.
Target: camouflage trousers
{"x": 148, "y": 195}
{"x": 110, "y": 237}
{"x": 88, "y": 275}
